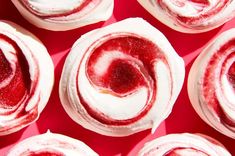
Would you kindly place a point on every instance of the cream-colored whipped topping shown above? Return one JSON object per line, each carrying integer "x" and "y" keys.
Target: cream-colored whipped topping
{"x": 38, "y": 60}
{"x": 224, "y": 91}
{"x": 48, "y": 8}
{"x": 120, "y": 108}
{"x": 52, "y": 142}
{"x": 188, "y": 144}
{"x": 189, "y": 9}
{"x": 43, "y": 13}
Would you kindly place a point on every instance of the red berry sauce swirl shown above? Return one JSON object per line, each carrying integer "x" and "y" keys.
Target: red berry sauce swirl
{"x": 211, "y": 84}
{"x": 16, "y": 86}
{"x": 118, "y": 81}
{"x": 205, "y": 10}
{"x": 191, "y": 16}
{"x": 25, "y": 86}
{"x": 43, "y": 152}
{"x": 213, "y": 81}
{"x": 184, "y": 144}
{"x": 132, "y": 68}
{"x": 185, "y": 151}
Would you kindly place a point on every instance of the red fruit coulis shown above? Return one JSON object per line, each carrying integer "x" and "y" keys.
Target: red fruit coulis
{"x": 42, "y": 153}
{"x": 123, "y": 75}
{"x": 45, "y": 148}
{"x": 194, "y": 21}
{"x": 19, "y": 86}
{"x": 177, "y": 151}
{"x": 16, "y": 91}
{"x": 82, "y": 6}
{"x": 209, "y": 80}
{"x": 231, "y": 75}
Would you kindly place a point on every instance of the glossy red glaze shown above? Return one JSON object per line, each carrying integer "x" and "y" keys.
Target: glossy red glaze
{"x": 19, "y": 86}
{"x": 121, "y": 77}
{"x": 124, "y": 75}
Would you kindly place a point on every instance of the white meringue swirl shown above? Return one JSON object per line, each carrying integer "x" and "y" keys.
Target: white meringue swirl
{"x": 50, "y": 8}
{"x": 64, "y": 15}
{"x": 121, "y": 79}
{"x": 211, "y": 84}
{"x": 191, "y": 16}
{"x": 182, "y": 145}
{"x": 25, "y": 85}
{"x": 51, "y": 144}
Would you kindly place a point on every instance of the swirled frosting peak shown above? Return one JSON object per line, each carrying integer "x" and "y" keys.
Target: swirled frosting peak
{"x": 121, "y": 79}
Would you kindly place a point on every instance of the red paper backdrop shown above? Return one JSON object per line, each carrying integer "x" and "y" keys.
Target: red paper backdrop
{"x": 182, "y": 119}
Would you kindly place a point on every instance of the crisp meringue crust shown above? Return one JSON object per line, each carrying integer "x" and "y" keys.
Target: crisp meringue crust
{"x": 46, "y": 8}
{"x": 64, "y": 15}
{"x": 191, "y": 16}
{"x": 211, "y": 84}
{"x": 184, "y": 144}
{"x": 25, "y": 86}
{"x": 51, "y": 144}
{"x": 115, "y": 84}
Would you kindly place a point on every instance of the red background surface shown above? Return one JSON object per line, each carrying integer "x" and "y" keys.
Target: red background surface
{"x": 182, "y": 119}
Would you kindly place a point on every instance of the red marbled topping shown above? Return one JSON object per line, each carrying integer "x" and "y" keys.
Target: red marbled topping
{"x": 15, "y": 95}
{"x": 83, "y": 5}
{"x": 178, "y": 151}
{"x": 124, "y": 75}
{"x": 189, "y": 151}
{"x": 42, "y": 152}
{"x": 181, "y": 3}
{"x": 203, "y": 15}
{"x": 120, "y": 78}
{"x": 209, "y": 86}
{"x": 19, "y": 86}
{"x": 231, "y": 75}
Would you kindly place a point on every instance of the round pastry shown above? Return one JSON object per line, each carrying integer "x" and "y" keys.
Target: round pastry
{"x": 184, "y": 144}
{"x": 51, "y": 144}
{"x": 26, "y": 77}
{"x": 121, "y": 79}
{"x": 211, "y": 84}
{"x": 193, "y": 16}
{"x": 61, "y": 15}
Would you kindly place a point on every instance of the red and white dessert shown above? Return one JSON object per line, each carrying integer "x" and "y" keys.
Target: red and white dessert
{"x": 51, "y": 144}
{"x": 191, "y": 16}
{"x": 121, "y": 79}
{"x": 26, "y": 77}
{"x": 184, "y": 144}
{"x": 61, "y": 15}
{"x": 211, "y": 84}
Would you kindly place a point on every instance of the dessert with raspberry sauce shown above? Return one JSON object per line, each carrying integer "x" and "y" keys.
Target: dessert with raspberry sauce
{"x": 184, "y": 144}
{"x": 121, "y": 79}
{"x": 25, "y": 85}
{"x": 191, "y": 16}
{"x": 211, "y": 84}
{"x": 51, "y": 144}
{"x": 62, "y": 15}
